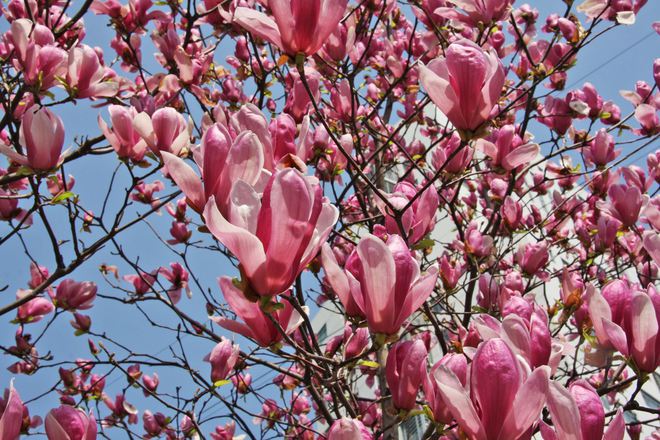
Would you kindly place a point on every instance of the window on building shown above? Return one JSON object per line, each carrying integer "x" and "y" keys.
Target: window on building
{"x": 412, "y": 429}
{"x": 322, "y": 334}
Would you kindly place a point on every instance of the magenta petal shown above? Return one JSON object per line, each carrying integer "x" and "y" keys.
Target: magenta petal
{"x": 495, "y": 380}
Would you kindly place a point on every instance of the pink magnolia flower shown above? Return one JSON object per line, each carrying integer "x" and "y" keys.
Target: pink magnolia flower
{"x": 620, "y": 11}
{"x": 142, "y": 282}
{"x": 651, "y": 241}
{"x": 299, "y": 26}
{"x": 11, "y": 414}
{"x": 465, "y": 84}
{"x": 36, "y": 55}
{"x": 625, "y": 203}
{"x": 555, "y": 113}
{"x": 348, "y": 429}
{"x": 150, "y": 384}
{"x": 457, "y": 363}
{"x": 276, "y": 237}
{"x": 503, "y": 401}
{"x": 87, "y": 77}
{"x": 445, "y": 156}
{"x": 578, "y": 414}
{"x": 507, "y": 150}
{"x": 69, "y": 423}
{"x": 42, "y": 136}
{"x": 122, "y": 136}
{"x": 164, "y": 130}
{"x": 155, "y": 424}
{"x": 532, "y": 257}
{"x": 356, "y": 343}
{"x": 33, "y": 310}
{"x": 242, "y": 382}
{"x": 477, "y": 11}
{"x": 626, "y": 319}
{"x": 419, "y": 219}
{"x": 601, "y": 150}
{"x": 384, "y": 284}
{"x": 222, "y": 161}
{"x": 224, "y": 432}
{"x": 178, "y": 277}
{"x": 72, "y": 295}
{"x": 405, "y": 371}
{"x": 256, "y": 324}
{"x": 222, "y": 358}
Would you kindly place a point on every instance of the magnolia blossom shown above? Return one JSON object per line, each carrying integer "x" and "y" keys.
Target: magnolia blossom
{"x": 69, "y": 423}
{"x": 164, "y": 130}
{"x": 257, "y": 325}
{"x": 419, "y": 219}
{"x": 222, "y": 161}
{"x": 276, "y": 237}
{"x": 42, "y": 136}
{"x": 457, "y": 364}
{"x": 72, "y": 295}
{"x": 384, "y": 284}
{"x": 578, "y": 414}
{"x": 626, "y": 319}
{"x": 122, "y": 136}
{"x": 348, "y": 429}
{"x": 11, "y": 414}
{"x": 465, "y": 84}
{"x": 299, "y": 26}
{"x": 477, "y": 11}
{"x": 87, "y": 77}
{"x": 405, "y": 371}
{"x": 503, "y": 401}
{"x": 222, "y": 358}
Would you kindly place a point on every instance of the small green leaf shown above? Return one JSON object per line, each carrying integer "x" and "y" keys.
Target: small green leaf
{"x": 63, "y": 196}
{"x": 370, "y": 364}
{"x": 221, "y": 383}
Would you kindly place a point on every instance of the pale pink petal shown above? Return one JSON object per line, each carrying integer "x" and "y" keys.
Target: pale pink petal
{"x": 258, "y": 24}
{"x": 521, "y": 156}
{"x": 186, "y": 179}
{"x": 240, "y": 242}
{"x": 458, "y": 401}
{"x": 527, "y": 405}
{"x": 564, "y": 411}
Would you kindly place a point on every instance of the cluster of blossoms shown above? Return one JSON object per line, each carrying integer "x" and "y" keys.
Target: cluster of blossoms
{"x": 375, "y": 167}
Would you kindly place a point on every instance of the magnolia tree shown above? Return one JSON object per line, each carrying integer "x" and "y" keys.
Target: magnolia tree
{"x": 485, "y": 236}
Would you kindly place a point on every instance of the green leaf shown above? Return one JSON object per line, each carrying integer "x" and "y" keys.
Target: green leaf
{"x": 63, "y": 196}
{"x": 370, "y": 364}
{"x": 221, "y": 383}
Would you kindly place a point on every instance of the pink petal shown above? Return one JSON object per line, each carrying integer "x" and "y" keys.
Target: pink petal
{"x": 240, "y": 242}
{"x": 258, "y": 24}
{"x": 377, "y": 282}
{"x": 527, "y": 405}
{"x": 457, "y": 400}
{"x": 644, "y": 331}
{"x": 616, "y": 336}
{"x": 564, "y": 411}
{"x": 617, "y": 427}
{"x": 521, "y": 155}
{"x": 186, "y": 179}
